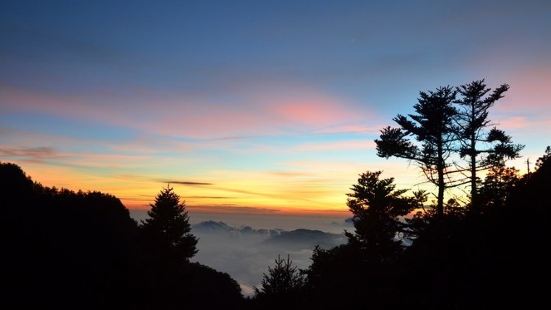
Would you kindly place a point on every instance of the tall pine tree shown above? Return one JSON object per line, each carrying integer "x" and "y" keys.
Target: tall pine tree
{"x": 376, "y": 206}
{"x": 484, "y": 147}
{"x": 426, "y": 137}
{"x": 168, "y": 227}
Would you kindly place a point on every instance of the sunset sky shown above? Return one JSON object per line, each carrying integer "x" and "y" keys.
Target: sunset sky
{"x": 251, "y": 106}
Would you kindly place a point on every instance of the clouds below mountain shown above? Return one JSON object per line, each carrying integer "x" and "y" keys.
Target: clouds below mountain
{"x": 245, "y": 252}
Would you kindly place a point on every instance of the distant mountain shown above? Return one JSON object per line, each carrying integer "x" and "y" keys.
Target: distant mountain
{"x": 221, "y": 227}
{"x": 296, "y": 239}
{"x": 212, "y": 226}
{"x": 306, "y": 238}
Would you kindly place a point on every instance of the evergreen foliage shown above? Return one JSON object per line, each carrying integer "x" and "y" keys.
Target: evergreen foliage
{"x": 426, "y": 138}
{"x": 498, "y": 184}
{"x": 168, "y": 227}
{"x": 545, "y": 157}
{"x": 377, "y": 207}
{"x": 282, "y": 278}
{"x": 484, "y": 147}
{"x": 281, "y": 287}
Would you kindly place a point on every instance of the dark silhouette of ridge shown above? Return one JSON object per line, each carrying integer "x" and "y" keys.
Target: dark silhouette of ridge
{"x": 81, "y": 250}
{"x": 306, "y": 236}
{"x": 496, "y": 259}
{"x": 63, "y": 249}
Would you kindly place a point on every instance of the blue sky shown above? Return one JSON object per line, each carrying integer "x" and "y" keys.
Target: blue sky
{"x": 263, "y": 97}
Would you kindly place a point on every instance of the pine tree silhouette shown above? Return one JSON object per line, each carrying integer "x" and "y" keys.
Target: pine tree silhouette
{"x": 376, "y": 206}
{"x": 168, "y": 226}
{"x": 545, "y": 157}
{"x": 484, "y": 148}
{"x": 281, "y": 286}
{"x": 426, "y": 137}
{"x": 497, "y": 186}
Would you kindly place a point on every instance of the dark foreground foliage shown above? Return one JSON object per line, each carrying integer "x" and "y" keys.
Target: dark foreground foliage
{"x": 63, "y": 249}
{"x": 73, "y": 250}
{"x": 498, "y": 258}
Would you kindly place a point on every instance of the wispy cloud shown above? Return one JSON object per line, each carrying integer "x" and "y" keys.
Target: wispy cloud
{"x": 290, "y": 173}
{"x": 190, "y": 183}
{"x": 252, "y": 112}
{"x": 514, "y": 122}
{"x": 308, "y": 190}
{"x": 28, "y": 153}
{"x": 209, "y": 197}
{"x": 231, "y": 208}
{"x": 247, "y": 192}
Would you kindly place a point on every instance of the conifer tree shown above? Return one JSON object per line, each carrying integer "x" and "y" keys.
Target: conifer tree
{"x": 544, "y": 158}
{"x": 376, "y": 206}
{"x": 497, "y": 186}
{"x": 282, "y": 281}
{"x": 168, "y": 226}
{"x": 426, "y": 138}
{"x": 483, "y": 146}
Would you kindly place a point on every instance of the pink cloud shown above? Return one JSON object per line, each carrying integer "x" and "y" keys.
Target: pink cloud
{"x": 316, "y": 111}
{"x": 310, "y": 108}
{"x": 529, "y": 91}
{"x": 524, "y": 111}
{"x": 250, "y": 112}
{"x": 514, "y": 122}
{"x": 28, "y": 153}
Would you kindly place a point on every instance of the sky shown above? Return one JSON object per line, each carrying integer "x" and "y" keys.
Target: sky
{"x": 251, "y": 107}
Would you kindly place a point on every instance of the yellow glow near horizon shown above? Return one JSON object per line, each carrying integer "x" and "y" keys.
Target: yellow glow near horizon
{"x": 322, "y": 193}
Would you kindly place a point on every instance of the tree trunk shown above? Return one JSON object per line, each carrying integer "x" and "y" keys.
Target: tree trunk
{"x": 441, "y": 184}
{"x": 474, "y": 198}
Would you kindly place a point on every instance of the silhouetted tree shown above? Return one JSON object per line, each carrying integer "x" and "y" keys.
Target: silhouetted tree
{"x": 496, "y": 259}
{"x": 426, "y": 138}
{"x": 281, "y": 287}
{"x": 282, "y": 279}
{"x": 377, "y": 206}
{"x": 167, "y": 246}
{"x": 545, "y": 157}
{"x": 340, "y": 278}
{"x": 360, "y": 273}
{"x": 532, "y": 192}
{"x": 168, "y": 226}
{"x": 483, "y": 146}
{"x": 497, "y": 186}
